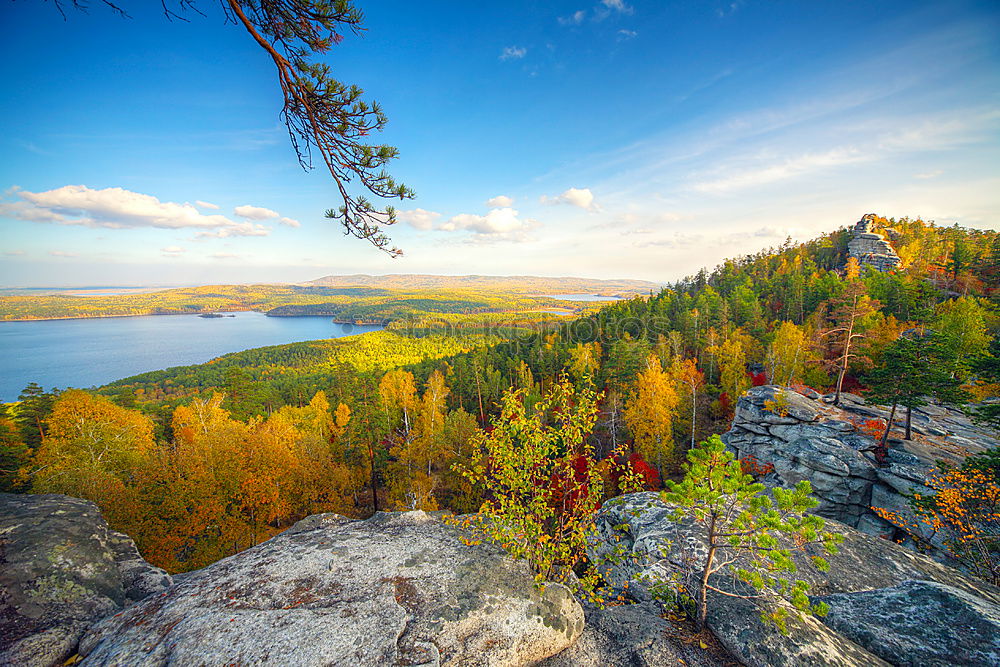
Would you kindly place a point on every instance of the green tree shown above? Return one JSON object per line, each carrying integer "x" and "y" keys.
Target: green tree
{"x": 963, "y": 325}
{"x": 747, "y": 534}
{"x": 541, "y": 483}
{"x": 33, "y": 407}
{"x": 914, "y": 367}
{"x": 324, "y": 116}
{"x": 13, "y": 453}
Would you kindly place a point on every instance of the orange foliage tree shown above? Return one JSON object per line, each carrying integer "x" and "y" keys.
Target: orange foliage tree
{"x": 963, "y": 516}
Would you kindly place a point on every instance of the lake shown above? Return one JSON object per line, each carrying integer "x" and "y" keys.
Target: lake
{"x": 582, "y": 297}
{"x": 93, "y": 352}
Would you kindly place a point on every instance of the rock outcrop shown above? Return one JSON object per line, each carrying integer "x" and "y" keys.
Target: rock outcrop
{"x": 875, "y": 589}
{"x": 792, "y": 437}
{"x": 62, "y": 569}
{"x": 396, "y": 589}
{"x": 632, "y": 635}
{"x": 871, "y": 248}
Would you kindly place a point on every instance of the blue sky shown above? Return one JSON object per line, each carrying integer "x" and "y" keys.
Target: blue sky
{"x": 597, "y": 138}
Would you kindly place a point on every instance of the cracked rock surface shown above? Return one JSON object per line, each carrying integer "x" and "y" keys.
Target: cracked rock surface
{"x": 888, "y": 605}
{"x": 61, "y": 569}
{"x": 396, "y": 589}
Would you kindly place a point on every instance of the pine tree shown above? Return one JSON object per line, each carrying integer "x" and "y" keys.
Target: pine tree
{"x": 746, "y": 534}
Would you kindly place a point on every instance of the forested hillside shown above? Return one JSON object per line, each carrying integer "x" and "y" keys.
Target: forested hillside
{"x": 203, "y": 460}
{"x": 369, "y": 305}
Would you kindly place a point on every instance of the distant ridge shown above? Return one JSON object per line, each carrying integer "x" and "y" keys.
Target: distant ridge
{"x": 527, "y": 284}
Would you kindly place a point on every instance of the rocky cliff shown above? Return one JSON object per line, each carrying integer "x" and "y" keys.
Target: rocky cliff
{"x": 888, "y": 605}
{"x": 871, "y": 248}
{"x": 793, "y": 436}
{"x": 62, "y": 569}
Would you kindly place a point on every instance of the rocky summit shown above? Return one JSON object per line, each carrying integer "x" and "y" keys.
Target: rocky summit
{"x": 396, "y": 589}
{"x": 871, "y": 248}
{"x": 404, "y": 589}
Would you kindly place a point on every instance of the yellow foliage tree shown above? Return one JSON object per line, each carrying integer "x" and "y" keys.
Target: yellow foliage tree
{"x": 649, "y": 413}
{"x": 422, "y": 457}
{"x": 93, "y": 450}
{"x": 731, "y": 355}
{"x": 398, "y": 392}
{"x": 788, "y": 354}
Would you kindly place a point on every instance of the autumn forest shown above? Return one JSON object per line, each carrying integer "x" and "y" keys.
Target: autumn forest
{"x": 198, "y": 462}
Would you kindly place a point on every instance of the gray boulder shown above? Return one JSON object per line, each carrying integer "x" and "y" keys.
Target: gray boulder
{"x": 639, "y": 542}
{"x": 62, "y": 569}
{"x": 902, "y": 624}
{"x": 632, "y": 635}
{"x": 397, "y": 589}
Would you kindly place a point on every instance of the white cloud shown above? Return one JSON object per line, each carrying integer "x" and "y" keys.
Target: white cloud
{"x": 14, "y": 253}
{"x": 224, "y": 255}
{"x": 576, "y": 18}
{"x": 62, "y": 253}
{"x": 418, "y": 218}
{"x": 513, "y": 53}
{"x": 929, "y": 174}
{"x": 617, "y": 5}
{"x": 500, "y": 201}
{"x": 289, "y": 222}
{"x": 172, "y": 250}
{"x": 255, "y": 212}
{"x": 579, "y": 197}
{"x": 626, "y": 34}
{"x": 205, "y": 204}
{"x": 117, "y": 208}
{"x": 499, "y": 224}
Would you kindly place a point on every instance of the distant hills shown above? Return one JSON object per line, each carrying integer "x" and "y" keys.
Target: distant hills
{"x": 526, "y": 284}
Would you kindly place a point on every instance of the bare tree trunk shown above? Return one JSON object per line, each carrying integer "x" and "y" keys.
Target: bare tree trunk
{"x": 374, "y": 479}
{"x": 909, "y": 422}
{"x": 702, "y": 608}
{"x": 694, "y": 405}
{"x": 888, "y": 426}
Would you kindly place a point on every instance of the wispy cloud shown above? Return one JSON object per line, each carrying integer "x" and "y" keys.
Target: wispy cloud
{"x": 172, "y": 251}
{"x": 729, "y": 8}
{"x": 224, "y": 255}
{"x": 618, "y": 6}
{"x": 205, "y": 204}
{"x": 13, "y": 253}
{"x": 781, "y": 170}
{"x": 576, "y": 18}
{"x": 62, "y": 253}
{"x": 513, "y": 53}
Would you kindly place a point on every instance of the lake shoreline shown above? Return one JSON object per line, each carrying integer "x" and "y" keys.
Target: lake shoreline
{"x": 94, "y": 351}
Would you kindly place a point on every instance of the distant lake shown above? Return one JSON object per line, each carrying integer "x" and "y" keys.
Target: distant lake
{"x": 93, "y": 352}
{"x": 582, "y": 297}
